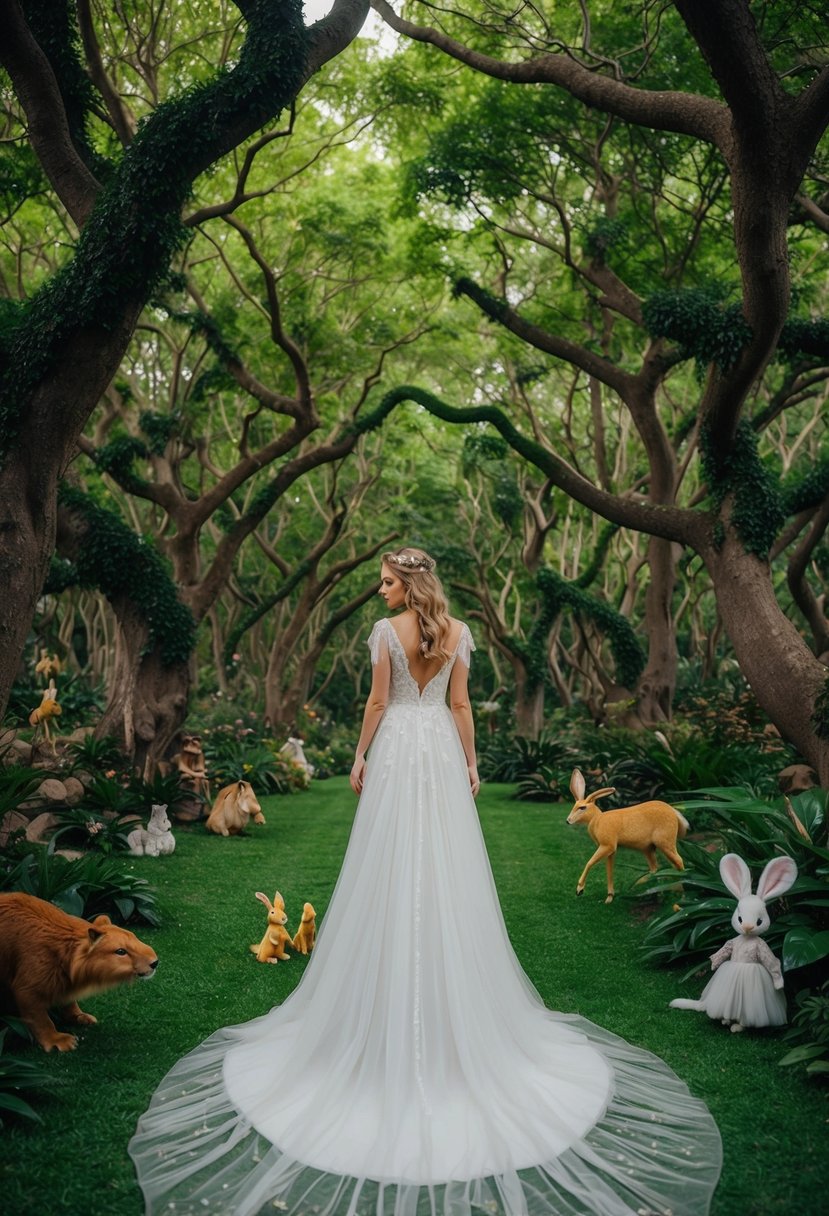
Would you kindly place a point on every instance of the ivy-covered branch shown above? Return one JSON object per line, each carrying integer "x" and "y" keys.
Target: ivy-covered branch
{"x": 129, "y": 239}
{"x": 672, "y": 523}
{"x": 559, "y": 595}
{"x": 109, "y": 556}
{"x": 757, "y": 505}
{"x": 709, "y": 330}
{"x": 49, "y": 128}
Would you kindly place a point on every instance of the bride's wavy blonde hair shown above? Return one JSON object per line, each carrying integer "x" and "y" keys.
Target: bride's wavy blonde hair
{"x": 425, "y": 596}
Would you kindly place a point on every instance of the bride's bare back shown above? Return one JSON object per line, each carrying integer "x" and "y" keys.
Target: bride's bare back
{"x": 408, "y": 631}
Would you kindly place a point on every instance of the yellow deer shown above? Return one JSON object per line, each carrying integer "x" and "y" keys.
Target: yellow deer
{"x": 648, "y": 826}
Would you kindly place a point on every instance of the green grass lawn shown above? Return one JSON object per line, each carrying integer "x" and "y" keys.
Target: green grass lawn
{"x": 580, "y": 954}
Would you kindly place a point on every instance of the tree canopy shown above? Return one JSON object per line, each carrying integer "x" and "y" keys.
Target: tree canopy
{"x": 545, "y": 291}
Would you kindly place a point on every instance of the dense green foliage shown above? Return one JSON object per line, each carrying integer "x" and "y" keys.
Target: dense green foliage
{"x": 122, "y": 565}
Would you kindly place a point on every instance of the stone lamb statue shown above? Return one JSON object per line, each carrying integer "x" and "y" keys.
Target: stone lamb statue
{"x": 156, "y": 838}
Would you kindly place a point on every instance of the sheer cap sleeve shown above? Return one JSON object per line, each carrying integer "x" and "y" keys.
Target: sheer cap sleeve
{"x": 378, "y": 641}
{"x": 465, "y": 646}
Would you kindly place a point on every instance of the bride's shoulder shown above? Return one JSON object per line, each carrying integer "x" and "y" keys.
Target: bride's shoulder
{"x": 457, "y": 629}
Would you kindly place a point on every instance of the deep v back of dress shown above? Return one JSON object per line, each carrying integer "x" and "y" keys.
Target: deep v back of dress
{"x": 405, "y": 687}
{"x": 414, "y": 1071}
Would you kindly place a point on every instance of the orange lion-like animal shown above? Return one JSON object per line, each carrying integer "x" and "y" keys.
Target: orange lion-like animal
{"x": 50, "y": 960}
{"x": 233, "y": 809}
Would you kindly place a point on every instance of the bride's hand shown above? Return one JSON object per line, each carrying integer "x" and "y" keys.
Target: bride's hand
{"x": 474, "y": 779}
{"x": 358, "y": 773}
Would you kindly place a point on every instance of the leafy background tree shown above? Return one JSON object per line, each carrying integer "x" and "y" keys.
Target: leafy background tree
{"x": 556, "y": 226}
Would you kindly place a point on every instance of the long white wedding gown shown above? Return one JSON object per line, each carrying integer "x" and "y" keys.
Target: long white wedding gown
{"x": 414, "y": 1071}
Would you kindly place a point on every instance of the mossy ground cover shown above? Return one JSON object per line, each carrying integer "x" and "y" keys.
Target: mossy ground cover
{"x": 580, "y": 953}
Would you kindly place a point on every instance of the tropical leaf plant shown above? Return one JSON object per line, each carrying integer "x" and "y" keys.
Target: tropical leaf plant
{"x": 163, "y": 789}
{"x": 533, "y": 760}
{"x": 810, "y": 1033}
{"x": 93, "y": 830}
{"x": 20, "y": 1078}
{"x": 93, "y": 755}
{"x": 85, "y": 886}
{"x": 17, "y": 784}
{"x": 690, "y": 930}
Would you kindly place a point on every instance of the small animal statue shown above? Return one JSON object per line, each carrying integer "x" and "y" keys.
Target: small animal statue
{"x": 294, "y": 750}
{"x": 234, "y": 807}
{"x": 50, "y": 960}
{"x": 156, "y": 838}
{"x": 647, "y": 826}
{"x": 746, "y": 989}
{"x": 272, "y": 946}
{"x": 47, "y": 709}
{"x": 191, "y": 765}
{"x": 48, "y": 665}
{"x": 306, "y": 934}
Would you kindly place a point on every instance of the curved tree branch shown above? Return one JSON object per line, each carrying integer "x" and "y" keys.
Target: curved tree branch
{"x": 579, "y": 356}
{"x": 672, "y": 523}
{"x": 35, "y": 84}
{"x": 684, "y": 113}
{"x": 118, "y": 116}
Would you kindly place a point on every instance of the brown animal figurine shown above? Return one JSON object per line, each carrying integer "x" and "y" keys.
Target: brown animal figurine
{"x": 272, "y": 946}
{"x": 235, "y": 805}
{"x": 191, "y": 767}
{"x": 647, "y": 826}
{"x": 50, "y": 960}
{"x": 306, "y": 934}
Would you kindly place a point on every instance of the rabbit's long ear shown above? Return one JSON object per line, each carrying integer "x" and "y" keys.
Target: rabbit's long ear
{"x": 611, "y": 789}
{"x": 277, "y": 899}
{"x": 577, "y": 784}
{"x": 261, "y": 895}
{"x": 736, "y": 875}
{"x": 777, "y": 877}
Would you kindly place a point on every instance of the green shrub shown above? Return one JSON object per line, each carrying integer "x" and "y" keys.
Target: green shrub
{"x": 162, "y": 790}
{"x": 757, "y": 831}
{"x": 17, "y": 784}
{"x": 520, "y": 759}
{"x": 100, "y": 756}
{"x": 810, "y": 1032}
{"x": 86, "y": 886}
{"x": 19, "y": 1076}
{"x": 237, "y": 751}
{"x": 107, "y": 796}
{"x": 80, "y": 828}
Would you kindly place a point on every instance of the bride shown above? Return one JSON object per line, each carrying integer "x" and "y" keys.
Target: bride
{"x": 415, "y": 1071}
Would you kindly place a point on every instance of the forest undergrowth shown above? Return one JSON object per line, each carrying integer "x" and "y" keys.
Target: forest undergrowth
{"x": 581, "y": 954}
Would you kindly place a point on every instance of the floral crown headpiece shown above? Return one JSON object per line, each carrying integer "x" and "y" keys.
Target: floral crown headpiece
{"x": 410, "y": 561}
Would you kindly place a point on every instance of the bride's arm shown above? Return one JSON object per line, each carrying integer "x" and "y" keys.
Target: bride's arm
{"x": 373, "y": 712}
{"x": 462, "y": 713}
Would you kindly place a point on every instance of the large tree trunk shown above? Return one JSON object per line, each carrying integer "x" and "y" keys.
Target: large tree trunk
{"x": 783, "y": 672}
{"x": 657, "y": 684}
{"x": 147, "y": 698}
{"x": 67, "y": 345}
{"x": 27, "y": 537}
{"x": 529, "y": 702}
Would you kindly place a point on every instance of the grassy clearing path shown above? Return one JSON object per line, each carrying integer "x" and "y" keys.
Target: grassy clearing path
{"x": 580, "y": 954}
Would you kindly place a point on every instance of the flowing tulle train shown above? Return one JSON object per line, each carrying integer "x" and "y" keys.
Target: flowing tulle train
{"x": 415, "y": 1071}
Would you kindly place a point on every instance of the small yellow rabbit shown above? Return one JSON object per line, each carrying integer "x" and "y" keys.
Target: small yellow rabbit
{"x": 272, "y": 946}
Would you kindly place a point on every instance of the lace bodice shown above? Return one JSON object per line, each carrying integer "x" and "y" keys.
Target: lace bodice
{"x": 404, "y": 689}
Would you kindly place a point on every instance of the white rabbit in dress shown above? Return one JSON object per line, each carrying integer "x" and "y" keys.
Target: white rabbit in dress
{"x": 746, "y": 989}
